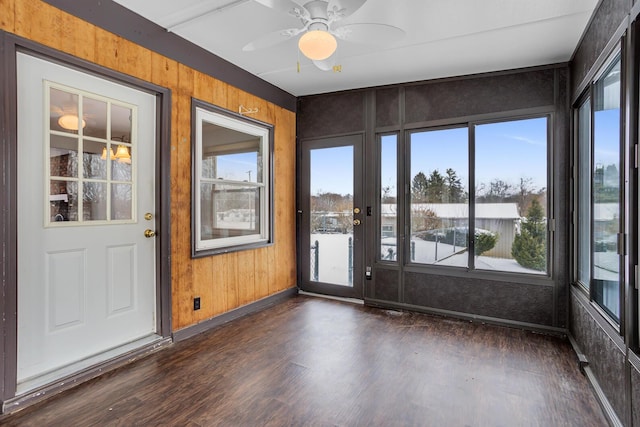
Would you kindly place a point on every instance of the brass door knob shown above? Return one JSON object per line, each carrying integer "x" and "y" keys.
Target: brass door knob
{"x": 149, "y": 233}
{"x": 357, "y": 222}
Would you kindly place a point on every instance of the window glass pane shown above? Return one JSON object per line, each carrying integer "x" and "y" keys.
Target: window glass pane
{"x": 121, "y": 123}
{"x": 606, "y": 191}
{"x": 229, "y": 210}
{"x": 439, "y": 197}
{"x": 331, "y": 190}
{"x": 121, "y": 201}
{"x": 121, "y": 168}
{"x": 94, "y": 164}
{"x": 94, "y": 201}
{"x": 584, "y": 193}
{"x": 388, "y": 197}
{"x": 95, "y": 114}
{"x": 230, "y": 155}
{"x": 63, "y": 156}
{"x": 63, "y": 201}
{"x": 63, "y": 111}
{"x": 511, "y": 196}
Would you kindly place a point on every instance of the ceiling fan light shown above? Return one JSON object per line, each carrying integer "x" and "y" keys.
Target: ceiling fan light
{"x": 317, "y": 44}
{"x": 70, "y": 122}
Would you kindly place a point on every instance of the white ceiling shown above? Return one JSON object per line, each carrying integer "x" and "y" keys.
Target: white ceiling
{"x": 442, "y": 38}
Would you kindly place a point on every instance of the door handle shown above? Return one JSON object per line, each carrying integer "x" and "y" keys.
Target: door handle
{"x": 357, "y": 222}
{"x": 149, "y": 233}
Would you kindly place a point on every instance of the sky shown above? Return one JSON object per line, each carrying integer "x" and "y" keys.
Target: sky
{"x": 506, "y": 150}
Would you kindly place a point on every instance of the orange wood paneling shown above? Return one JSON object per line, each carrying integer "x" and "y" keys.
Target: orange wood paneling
{"x": 223, "y": 282}
{"x": 7, "y": 17}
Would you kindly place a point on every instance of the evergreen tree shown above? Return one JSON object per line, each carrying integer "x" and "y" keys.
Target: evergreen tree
{"x": 454, "y": 187}
{"x": 436, "y": 188}
{"x": 529, "y": 247}
{"x": 419, "y": 187}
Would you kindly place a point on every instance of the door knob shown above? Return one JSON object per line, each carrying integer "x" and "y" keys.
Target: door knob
{"x": 356, "y": 222}
{"x": 149, "y": 233}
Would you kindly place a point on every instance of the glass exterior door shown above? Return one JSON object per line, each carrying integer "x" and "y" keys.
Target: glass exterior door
{"x": 331, "y": 216}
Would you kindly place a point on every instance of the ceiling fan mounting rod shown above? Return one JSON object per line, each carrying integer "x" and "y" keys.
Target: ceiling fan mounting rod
{"x": 318, "y": 24}
{"x": 317, "y": 10}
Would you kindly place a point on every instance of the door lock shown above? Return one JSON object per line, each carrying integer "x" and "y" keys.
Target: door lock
{"x": 149, "y": 233}
{"x": 148, "y": 216}
{"x": 356, "y": 210}
{"x": 357, "y": 222}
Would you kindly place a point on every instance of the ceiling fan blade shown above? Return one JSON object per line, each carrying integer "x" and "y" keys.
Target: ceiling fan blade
{"x": 338, "y": 9}
{"x": 272, "y": 39}
{"x": 367, "y": 33}
{"x": 286, "y": 6}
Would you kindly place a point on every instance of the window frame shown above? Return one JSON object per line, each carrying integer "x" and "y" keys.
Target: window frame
{"x": 470, "y": 268}
{"x": 80, "y": 180}
{"x": 204, "y": 112}
{"x": 588, "y": 95}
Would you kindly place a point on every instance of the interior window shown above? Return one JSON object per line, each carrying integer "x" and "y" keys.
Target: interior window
{"x": 232, "y": 181}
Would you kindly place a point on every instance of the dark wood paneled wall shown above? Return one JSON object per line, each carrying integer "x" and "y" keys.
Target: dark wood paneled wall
{"x": 607, "y": 351}
{"x": 223, "y": 282}
{"x": 609, "y": 16}
{"x": 606, "y": 357}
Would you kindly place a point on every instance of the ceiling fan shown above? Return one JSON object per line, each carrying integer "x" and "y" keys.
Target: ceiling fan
{"x": 321, "y": 26}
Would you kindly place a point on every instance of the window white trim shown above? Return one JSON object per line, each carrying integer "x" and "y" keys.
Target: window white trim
{"x": 238, "y": 238}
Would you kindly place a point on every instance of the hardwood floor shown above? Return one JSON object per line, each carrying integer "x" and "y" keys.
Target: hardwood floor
{"x": 317, "y": 362}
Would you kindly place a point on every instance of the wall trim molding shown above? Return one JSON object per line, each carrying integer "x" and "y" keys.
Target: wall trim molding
{"x": 214, "y": 322}
{"x": 470, "y": 317}
{"x": 35, "y": 396}
{"x": 583, "y": 363}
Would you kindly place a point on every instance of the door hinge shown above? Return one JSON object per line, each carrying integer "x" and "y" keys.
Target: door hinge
{"x": 552, "y": 224}
{"x": 635, "y": 156}
{"x": 635, "y": 276}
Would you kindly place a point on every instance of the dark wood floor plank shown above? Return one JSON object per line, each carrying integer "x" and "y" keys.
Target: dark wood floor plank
{"x": 316, "y": 362}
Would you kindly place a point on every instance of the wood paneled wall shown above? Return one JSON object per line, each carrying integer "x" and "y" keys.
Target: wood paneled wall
{"x": 223, "y": 282}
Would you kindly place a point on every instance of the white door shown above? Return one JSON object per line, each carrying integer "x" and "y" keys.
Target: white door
{"x": 86, "y": 273}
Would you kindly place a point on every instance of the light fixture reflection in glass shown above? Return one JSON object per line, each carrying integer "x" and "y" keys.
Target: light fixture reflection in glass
{"x": 317, "y": 44}
{"x": 123, "y": 155}
{"x": 70, "y": 122}
{"x": 104, "y": 154}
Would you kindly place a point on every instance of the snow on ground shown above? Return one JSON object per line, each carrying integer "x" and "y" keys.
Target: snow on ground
{"x": 334, "y": 257}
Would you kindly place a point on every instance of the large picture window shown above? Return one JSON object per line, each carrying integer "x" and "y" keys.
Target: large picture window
{"x": 501, "y": 223}
{"x": 232, "y": 181}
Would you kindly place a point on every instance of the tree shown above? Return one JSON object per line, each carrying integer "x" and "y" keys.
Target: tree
{"x": 484, "y": 241}
{"x": 419, "y": 187}
{"x": 436, "y": 188}
{"x": 499, "y": 191}
{"x": 424, "y": 219}
{"x": 455, "y": 191}
{"x": 529, "y": 247}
